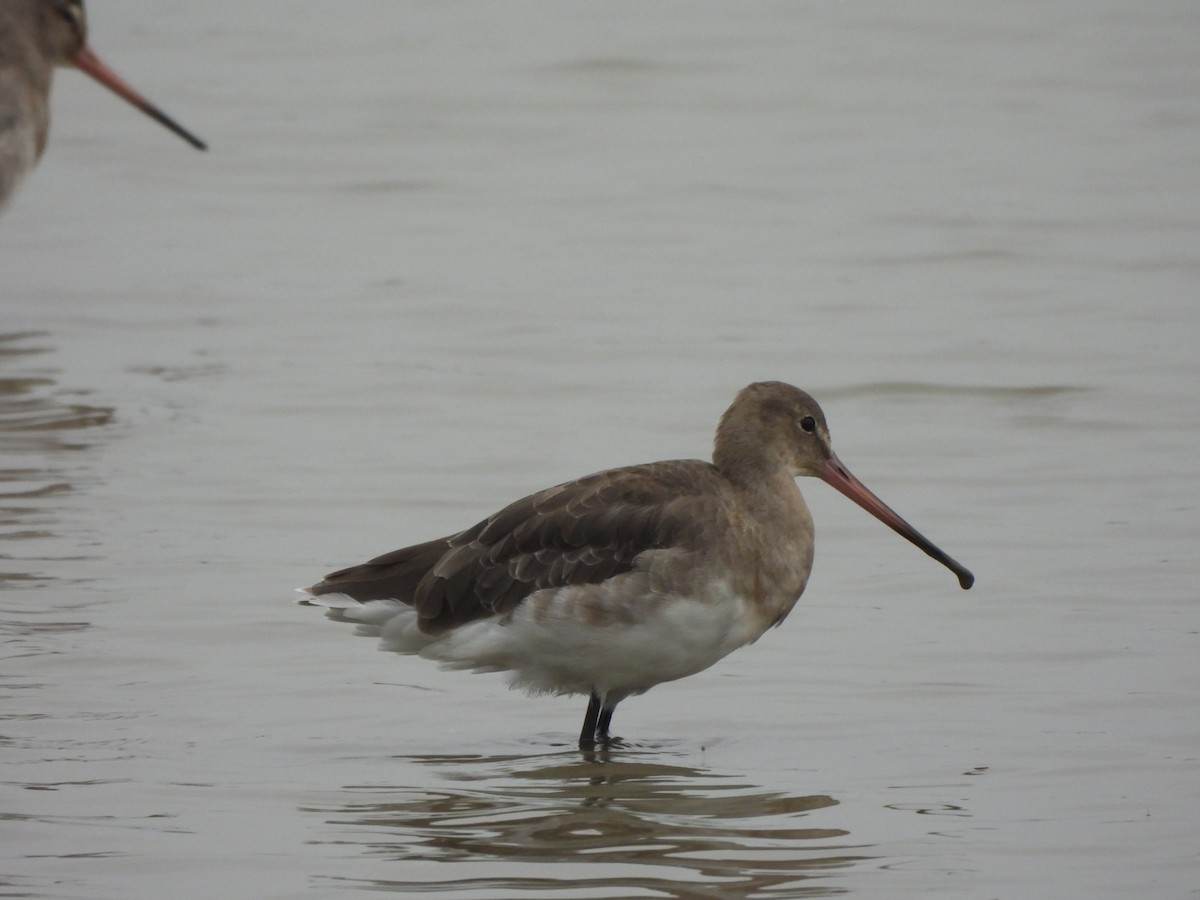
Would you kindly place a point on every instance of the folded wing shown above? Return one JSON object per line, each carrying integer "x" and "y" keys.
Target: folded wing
{"x": 581, "y": 532}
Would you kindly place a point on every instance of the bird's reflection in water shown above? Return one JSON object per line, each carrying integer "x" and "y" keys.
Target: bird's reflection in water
{"x": 621, "y": 822}
{"x": 45, "y": 433}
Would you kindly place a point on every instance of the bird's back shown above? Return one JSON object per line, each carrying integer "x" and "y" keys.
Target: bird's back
{"x": 581, "y": 532}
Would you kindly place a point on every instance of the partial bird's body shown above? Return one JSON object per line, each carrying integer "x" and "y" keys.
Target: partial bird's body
{"x": 612, "y": 583}
{"x": 621, "y": 580}
{"x": 36, "y": 36}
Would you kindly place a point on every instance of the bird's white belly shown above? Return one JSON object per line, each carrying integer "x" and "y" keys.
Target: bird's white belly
{"x": 581, "y": 639}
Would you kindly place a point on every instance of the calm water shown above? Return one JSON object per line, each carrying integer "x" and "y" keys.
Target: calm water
{"x": 441, "y": 255}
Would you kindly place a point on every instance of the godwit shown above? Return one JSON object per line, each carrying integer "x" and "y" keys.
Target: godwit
{"x": 36, "y": 36}
{"x": 621, "y": 580}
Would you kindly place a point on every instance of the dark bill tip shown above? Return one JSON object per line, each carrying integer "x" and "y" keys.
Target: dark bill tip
{"x": 87, "y": 61}
{"x": 838, "y": 476}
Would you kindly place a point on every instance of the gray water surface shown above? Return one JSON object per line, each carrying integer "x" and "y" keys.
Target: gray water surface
{"x": 441, "y": 255}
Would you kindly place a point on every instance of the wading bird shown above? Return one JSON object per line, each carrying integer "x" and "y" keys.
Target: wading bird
{"x": 610, "y": 584}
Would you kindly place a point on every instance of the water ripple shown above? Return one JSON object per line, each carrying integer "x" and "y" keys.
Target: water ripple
{"x": 612, "y": 823}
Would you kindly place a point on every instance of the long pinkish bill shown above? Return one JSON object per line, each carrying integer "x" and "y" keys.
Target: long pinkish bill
{"x": 87, "y": 61}
{"x": 839, "y": 477}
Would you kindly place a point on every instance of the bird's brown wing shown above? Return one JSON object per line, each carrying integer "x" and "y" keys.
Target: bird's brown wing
{"x": 581, "y": 532}
{"x": 394, "y": 575}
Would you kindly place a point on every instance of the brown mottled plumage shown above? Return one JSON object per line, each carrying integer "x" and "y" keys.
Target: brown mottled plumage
{"x": 582, "y": 532}
{"x": 620, "y": 580}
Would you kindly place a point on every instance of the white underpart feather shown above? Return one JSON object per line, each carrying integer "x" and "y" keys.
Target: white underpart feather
{"x": 573, "y": 640}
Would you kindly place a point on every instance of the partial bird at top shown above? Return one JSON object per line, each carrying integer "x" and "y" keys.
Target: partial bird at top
{"x": 36, "y": 36}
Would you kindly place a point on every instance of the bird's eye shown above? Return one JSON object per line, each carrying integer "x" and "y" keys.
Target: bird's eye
{"x": 808, "y": 424}
{"x": 72, "y": 12}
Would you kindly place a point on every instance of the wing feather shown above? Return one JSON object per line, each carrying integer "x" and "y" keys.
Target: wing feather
{"x": 580, "y": 532}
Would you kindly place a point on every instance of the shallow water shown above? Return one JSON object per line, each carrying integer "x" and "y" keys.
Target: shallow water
{"x": 441, "y": 255}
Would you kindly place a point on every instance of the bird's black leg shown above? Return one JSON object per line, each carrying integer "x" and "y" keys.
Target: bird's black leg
{"x": 587, "y": 737}
{"x": 602, "y": 723}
